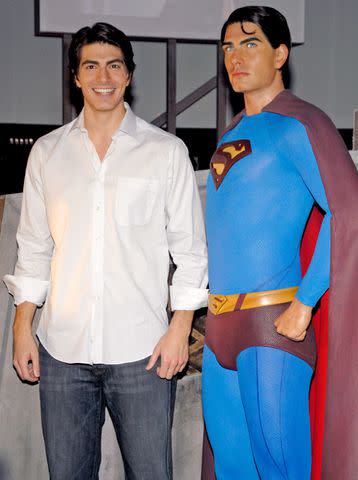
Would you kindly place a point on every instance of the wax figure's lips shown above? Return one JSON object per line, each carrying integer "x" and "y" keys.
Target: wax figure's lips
{"x": 239, "y": 74}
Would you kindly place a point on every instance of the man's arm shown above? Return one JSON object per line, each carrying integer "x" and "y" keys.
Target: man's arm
{"x": 25, "y": 351}
{"x": 29, "y": 284}
{"x": 187, "y": 246}
{"x": 173, "y": 347}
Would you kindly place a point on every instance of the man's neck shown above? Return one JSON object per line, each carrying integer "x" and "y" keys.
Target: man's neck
{"x": 102, "y": 124}
{"x": 256, "y": 101}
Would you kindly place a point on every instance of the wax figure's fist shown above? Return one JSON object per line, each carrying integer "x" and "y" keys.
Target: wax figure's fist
{"x": 294, "y": 321}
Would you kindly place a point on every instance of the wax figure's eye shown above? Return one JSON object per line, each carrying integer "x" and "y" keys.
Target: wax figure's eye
{"x": 251, "y": 45}
{"x": 228, "y": 48}
{"x": 89, "y": 66}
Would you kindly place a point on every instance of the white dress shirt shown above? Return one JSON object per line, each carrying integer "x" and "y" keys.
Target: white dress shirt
{"x": 95, "y": 237}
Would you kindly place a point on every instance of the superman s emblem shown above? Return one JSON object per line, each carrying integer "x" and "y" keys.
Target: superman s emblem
{"x": 226, "y": 156}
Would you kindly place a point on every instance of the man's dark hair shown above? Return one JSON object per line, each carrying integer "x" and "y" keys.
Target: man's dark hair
{"x": 272, "y": 23}
{"x": 100, "y": 33}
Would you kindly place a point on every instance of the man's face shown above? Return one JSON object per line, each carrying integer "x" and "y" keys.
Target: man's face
{"x": 102, "y": 76}
{"x": 251, "y": 62}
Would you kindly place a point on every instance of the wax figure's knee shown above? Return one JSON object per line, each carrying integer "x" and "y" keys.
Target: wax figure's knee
{"x": 275, "y": 388}
{"x": 225, "y": 421}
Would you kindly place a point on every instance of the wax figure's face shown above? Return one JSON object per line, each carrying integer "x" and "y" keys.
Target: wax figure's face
{"x": 251, "y": 62}
{"x": 102, "y": 76}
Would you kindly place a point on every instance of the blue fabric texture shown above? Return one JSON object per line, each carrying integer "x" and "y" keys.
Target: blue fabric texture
{"x": 257, "y": 418}
{"x": 256, "y": 218}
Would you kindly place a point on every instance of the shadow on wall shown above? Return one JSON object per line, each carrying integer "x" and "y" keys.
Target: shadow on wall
{"x": 4, "y": 471}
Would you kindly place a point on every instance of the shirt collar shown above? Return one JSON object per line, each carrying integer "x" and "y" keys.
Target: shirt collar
{"x": 128, "y": 124}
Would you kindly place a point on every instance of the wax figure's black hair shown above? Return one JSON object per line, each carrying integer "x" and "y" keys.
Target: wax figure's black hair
{"x": 100, "y": 33}
{"x": 272, "y": 23}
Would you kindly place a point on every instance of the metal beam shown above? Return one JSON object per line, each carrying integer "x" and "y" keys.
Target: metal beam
{"x": 188, "y": 101}
{"x": 355, "y": 130}
{"x": 2, "y": 204}
{"x": 221, "y": 94}
{"x": 171, "y": 85}
{"x": 68, "y": 111}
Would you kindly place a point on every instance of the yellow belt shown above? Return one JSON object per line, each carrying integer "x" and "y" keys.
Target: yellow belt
{"x": 227, "y": 303}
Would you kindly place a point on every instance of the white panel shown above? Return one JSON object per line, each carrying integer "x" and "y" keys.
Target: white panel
{"x": 184, "y": 19}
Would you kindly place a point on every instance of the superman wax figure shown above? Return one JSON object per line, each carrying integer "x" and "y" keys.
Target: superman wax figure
{"x": 269, "y": 170}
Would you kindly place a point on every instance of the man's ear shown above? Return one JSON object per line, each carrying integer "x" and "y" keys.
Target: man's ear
{"x": 281, "y": 53}
{"x": 75, "y": 79}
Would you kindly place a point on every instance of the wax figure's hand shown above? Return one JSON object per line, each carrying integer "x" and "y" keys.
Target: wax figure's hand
{"x": 25, "y": 350}
{"x": 294, "y": 321}
{"x": 173, "y": 347}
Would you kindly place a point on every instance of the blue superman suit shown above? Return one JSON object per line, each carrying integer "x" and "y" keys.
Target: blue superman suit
{"x": 257, "y": 208}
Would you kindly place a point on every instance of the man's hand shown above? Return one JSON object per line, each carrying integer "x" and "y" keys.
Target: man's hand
{"x": 294, "y": 321}
{"x": 25, "y": 350}
{"x": 173, "y": 347}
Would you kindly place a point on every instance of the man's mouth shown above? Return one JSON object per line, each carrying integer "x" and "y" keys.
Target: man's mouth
{"x": 104, "y": 90}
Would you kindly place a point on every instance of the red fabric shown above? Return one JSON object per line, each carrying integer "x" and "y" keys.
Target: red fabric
{"x": 320, "y": 323}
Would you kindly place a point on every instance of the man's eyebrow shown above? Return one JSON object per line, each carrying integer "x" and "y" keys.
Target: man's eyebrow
{"x": 115, "y": 60}
{"x": 96, "y": 62}
{"x": 85, "y": 62}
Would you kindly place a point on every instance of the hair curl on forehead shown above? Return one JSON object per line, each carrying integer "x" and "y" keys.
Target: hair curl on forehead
{"x": 100, "y": 33}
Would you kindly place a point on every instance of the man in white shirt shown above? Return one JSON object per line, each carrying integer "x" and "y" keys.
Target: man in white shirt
{"x": 107, "y": 198}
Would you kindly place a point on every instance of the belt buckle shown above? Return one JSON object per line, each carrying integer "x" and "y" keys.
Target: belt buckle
{"x": 217, "y": 302}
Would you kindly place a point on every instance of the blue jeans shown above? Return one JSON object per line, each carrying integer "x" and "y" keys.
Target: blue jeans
{"x": 73, "y": 400}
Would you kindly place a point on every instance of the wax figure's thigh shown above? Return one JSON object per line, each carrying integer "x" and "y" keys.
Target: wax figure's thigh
{"x": 274, "y": 387}
{"x": 72, "y": 413}
{"x": 225, "y": 421}
{"x": 141, "y": 407}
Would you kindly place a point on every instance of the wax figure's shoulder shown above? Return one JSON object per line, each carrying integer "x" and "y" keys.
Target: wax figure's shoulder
{"x": 315, "y": 120}
{"x": 288, "y": 105}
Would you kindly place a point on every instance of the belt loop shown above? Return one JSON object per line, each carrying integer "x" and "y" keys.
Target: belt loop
{"x": 240, "y": 299}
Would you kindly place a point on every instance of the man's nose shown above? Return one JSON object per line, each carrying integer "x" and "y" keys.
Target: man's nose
{"x": 103, "y": 74}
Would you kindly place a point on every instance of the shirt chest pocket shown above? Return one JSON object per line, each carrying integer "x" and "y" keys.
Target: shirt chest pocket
{"x": 134, "y": 200}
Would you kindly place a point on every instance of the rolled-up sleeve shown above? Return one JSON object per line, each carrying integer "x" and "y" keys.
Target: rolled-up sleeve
{"x": 186, "y": 234}
{"x": 35, "y": 245}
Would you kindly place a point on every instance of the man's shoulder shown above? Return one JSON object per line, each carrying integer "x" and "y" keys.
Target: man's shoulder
{"x": 52, "y": 138}
{"x": 149, "y": 132}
